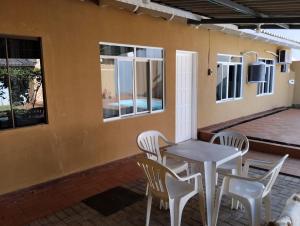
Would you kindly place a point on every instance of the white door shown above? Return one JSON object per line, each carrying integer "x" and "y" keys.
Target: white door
{"x": 185, "y": 90}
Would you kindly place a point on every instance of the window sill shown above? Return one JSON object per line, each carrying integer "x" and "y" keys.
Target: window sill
{"x": 132, "y": 116}
{"x": 264, "y": 94}
{"x": 229, "y": 100}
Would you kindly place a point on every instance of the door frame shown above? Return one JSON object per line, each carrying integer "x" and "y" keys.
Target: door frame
{"x": 194, "y": 116}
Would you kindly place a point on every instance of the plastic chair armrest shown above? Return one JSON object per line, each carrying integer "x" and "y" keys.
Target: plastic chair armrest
{"x": 230, "y": 176}
{"x": 189, "y": 177}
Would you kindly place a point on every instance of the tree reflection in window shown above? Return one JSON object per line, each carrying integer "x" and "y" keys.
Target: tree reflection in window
{"x": 21, "y": 84}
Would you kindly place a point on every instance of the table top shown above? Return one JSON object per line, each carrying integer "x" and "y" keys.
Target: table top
{"x": 200, "y": 151}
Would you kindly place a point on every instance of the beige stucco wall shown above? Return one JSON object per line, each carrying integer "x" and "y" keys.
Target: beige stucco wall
{"x": 76, "y": 137}
{"x": 296, "y": 69}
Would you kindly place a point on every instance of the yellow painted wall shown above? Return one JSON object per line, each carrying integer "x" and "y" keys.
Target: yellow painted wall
{"x": 296, "y": 69}
{"x": 76, "y": 137}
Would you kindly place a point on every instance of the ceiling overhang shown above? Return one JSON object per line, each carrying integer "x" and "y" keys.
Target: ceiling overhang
{"x": 172, "y": 11}
{"x": 276, "y": 14}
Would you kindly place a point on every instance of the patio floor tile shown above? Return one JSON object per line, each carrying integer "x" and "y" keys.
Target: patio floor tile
{"x": 134, "y": 215}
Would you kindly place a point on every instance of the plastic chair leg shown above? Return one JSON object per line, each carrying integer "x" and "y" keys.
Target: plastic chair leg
{"x": 253, "y": 209}
{"x": 234, "y": 203}
{"x": 149, "y": 203}
{"x": 217, "y": 204}
{"x": 268, "y": 211}
{"x": 176, "y": 208}
{"x": 147, "y": 190}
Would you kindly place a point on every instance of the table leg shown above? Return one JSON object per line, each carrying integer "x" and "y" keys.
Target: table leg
{"x": 210, "y": 188}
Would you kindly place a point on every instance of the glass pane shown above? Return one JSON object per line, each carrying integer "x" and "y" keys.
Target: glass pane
{"x": 24, "y": 60}
{"x": 149, "y": 53}
{"x": 109, "y": 82}
{"x": 2, "y": 50}
{"x": 219, "y": 81}
{"x": 224, "y": 82}
{"x": 223, "y": 58}
{"x": 5, "y": 110}
{"x": 231, "y": 81}
{"x": 261, "y": 60}
{"x": 271, "y": 79}
{"x": 108, "y": 50}
{"x": 126, "y": 86}
{"x": 236, "y": 59}
{"x": 238, "y": 89}
{"x": 267, "y": 80}
{"x": 142, "y": 86}
{"x": 157, "y": 85}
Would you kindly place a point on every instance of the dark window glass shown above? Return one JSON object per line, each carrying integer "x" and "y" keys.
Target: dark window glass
{"x": 271, "y": 79}
{"x": 108, "y": 50}
{"x": 126, "y": 86}
{"x": 143, "y": 86}
{"x": 5, "y": 108}
{"x": 224, "y": 86}
{"x": 265, "y": 90}
{"x": 238, "y": 91}
{"x": 109, "y": 83}
{"x": 219, "y": 82}
{"x": 231, "y": 81}
{"x": 26, "y": 78}
{"x": 149, "y": 52}
{"x": 157, "y": 85}
{"x": 2, "y": 50}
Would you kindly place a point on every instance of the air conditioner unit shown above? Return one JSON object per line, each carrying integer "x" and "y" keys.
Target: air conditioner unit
{"x": 257, "y": 72}
{"x": 284, "y": 56}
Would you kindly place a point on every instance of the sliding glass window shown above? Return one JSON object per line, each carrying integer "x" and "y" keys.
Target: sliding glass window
{"x": 132, "y": 80}
{"x": 21, "y": 83}
{"x": 229, "y": 78}
{"x": 267, "y": 88}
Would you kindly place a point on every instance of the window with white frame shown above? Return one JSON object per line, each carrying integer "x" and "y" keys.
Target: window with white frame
{"x": 229, "y": 77}
{"x": 267, "y": 87}
{"x": 132, "y": 79}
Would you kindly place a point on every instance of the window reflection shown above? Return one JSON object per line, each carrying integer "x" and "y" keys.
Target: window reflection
{"x": 219, "y": 81}
{"x": 239, "y": 81}
{"x": 5, "y": 109}
{"x": 110, "y": 93}
{"x": 157, "y": 85}
{"x": 149, "y": 52}
{"x": 107, "y": 50}
{"x": 24, "y": 68}
{"x": 132, "y": 80}
{"x": 142, "y": 86}
{"x": 126, "y": 86}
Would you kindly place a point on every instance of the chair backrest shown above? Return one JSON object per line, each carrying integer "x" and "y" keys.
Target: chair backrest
{"x": 156, "y": 174}
{"x": 148, "y": 142}
{"x": 271, "y": 176}
{"x": 233, "y": 139}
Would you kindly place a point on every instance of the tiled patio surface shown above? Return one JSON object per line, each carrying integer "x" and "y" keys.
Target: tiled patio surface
{"x": 281, "y": 127}
{"x": 291, "y": 165}
{"x": 134, "y": 215}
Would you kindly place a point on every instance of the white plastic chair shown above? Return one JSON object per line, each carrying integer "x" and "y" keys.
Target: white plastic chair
{"x": 148, "y": 142}
{"x": 232, "y": 139}
{"x": 166, "y": 185}
{"x": 251, "y": 192}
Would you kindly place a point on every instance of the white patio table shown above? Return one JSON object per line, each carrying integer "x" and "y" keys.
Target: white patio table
{"x": 209, "y": 156}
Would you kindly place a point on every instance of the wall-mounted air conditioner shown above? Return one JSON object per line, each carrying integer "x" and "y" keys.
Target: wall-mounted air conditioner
{"x": 284, "y": 56}
{"x": 257, "y": 72}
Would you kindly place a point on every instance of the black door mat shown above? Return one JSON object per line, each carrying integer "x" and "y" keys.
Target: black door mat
{"x": 113, "y": 200}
